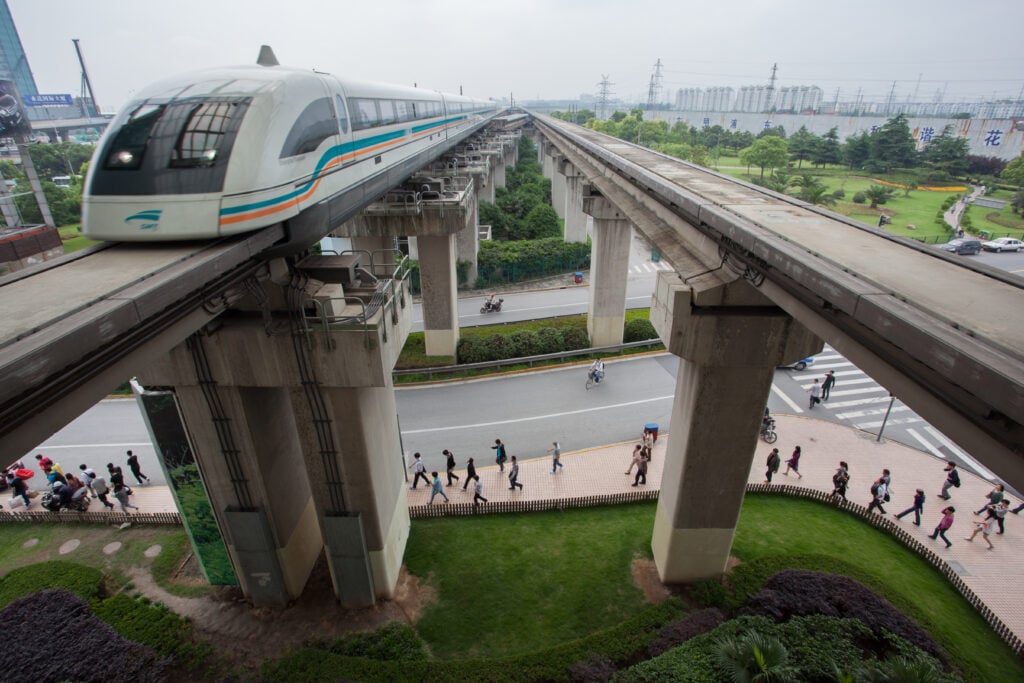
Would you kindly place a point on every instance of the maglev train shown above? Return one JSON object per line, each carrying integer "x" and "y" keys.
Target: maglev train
{"x": 235, "y": 149}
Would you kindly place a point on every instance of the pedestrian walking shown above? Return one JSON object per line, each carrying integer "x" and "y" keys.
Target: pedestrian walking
{"x": 878, "y": 496}
{"x": 436, "y": 488}
{"x": 470, "y": 473}
{"x": 556, "y": 454}
{"x": 500, "y": 455}
{"x": 840, "y": 480}
{"x": 115, "y": 475}
{"x": 513, "y": 476}
{"x": 420, "y": 469}
{"x": 641, "y": 472}
{"x": 450, "y": 466}
{"x": 952, "y": 480}
{"x": 1017, "y": 509}
{"x": 20, "y": 489}
{"x": 133, "y": 465}
{"x": 826, "y": 386}
{"x": 944, "y": 524}
{"x": 917, "y": 508}
{"x": 44, "y": 462}
{"x": 478, "y": 491}
{"x": 794, "y": 463}
{"x": 638, "y": 455}
{"x": 647, "y": 444}
{"x": 815, "y": 391}
{"x": 994, "y": 496}
{"x": 88, "y": 474}
{"x": 998, "y": 512}
{"x": 99, "y": 487}
{"x": 773, "y": 463}
{"x": 983, "y": 527}
{"x": 121, "y": 492}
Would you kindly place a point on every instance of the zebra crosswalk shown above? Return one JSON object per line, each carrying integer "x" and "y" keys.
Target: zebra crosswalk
{"x": 858, "y": 400}
{"x": 649, "y": 267}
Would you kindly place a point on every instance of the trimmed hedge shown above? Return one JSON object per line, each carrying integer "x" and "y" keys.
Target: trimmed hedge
{"x": 521, "y": 343}
{"x": 527, "y": 259}
{"x": 622, "y": 645}
{"x": 638, "y": 329}
{"x": 85, "y": 582}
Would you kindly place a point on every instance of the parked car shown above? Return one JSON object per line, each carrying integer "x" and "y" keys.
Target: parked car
{"x": 1003, "y": 244}
{"x": 801, "y": 364}
{"x": 963, "y": 246}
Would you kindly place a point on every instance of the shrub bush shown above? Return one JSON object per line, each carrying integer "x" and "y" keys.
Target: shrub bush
{"x": 153, "y": 625}
{"x": 391, "y": 643}
{"x": 52, "y": 636}
{"x": 549, "y": 340}
{"x": 796, "y": 592}
{"x": 85, "y": 582}
{"x": 473, "y": 350}
{"x": 574, "y": 338}
{"x": 524, "y": 343}
{"x": 839, "y": 194}
{"x": 638, "y": 329}
{"x": 597, "y": 668}
{"x": 859, "y": 198}
{"x": 690, "y": 626}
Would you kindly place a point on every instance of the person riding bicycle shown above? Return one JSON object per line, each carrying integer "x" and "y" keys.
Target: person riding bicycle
{"x": 597, "y": 371}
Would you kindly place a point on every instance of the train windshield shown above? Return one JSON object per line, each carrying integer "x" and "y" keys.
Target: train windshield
{"x": 171, "y": 147}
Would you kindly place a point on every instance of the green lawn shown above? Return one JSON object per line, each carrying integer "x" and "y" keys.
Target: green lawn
{"x": 520, "y": 583}
{"x": 997, "y": 223}
{"x": 73, "y": 239}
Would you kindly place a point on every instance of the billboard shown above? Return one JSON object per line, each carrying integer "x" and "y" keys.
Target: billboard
{"x": 14, "y": 121}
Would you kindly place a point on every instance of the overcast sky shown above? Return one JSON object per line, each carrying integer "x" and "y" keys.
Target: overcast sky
{"x": 551, "y": 49}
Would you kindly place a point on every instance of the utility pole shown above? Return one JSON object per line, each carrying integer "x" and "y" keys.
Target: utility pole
{"x": 835, "y": 106}
{"x": 603, "y": 94}
{"x": 888, "y": 104}
{"x": 85, "y": 77}
{"x": 769, "y": 104}
{"x": 654, "y": 89}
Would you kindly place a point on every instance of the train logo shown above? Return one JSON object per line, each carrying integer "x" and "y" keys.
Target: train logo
{"x": 145, "y": 220}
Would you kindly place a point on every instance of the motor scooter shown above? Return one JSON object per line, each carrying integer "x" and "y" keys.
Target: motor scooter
{"x": 491, "y": 305}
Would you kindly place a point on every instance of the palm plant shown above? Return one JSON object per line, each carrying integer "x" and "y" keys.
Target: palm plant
{"x": 754, "y": 658}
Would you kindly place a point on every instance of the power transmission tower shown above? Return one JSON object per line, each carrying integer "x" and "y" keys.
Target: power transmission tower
{"x": 603, "y": 95}
{"x": 654, "y": 89}
{"x": 769, "y": 104}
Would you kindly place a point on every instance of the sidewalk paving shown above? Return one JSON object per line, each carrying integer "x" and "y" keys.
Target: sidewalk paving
{"x": 996, "y": 576}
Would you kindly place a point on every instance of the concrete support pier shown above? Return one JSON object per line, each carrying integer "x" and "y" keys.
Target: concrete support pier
{"x": 290, "y": 409}
{"x": 439, "y": 287}
{"x": 575, "y": 218}
{"x": 609, "y": 270}
{"x": 730, "y": 339}
{"x": 558, "y": 184}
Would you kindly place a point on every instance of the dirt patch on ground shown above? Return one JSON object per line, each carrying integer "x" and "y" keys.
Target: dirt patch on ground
{"x": 243, "y": 635}
{"x": 645, "y": 574}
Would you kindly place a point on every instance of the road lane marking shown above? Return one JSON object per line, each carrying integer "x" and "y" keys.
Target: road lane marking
{"x": 538, "y": 417}
{"x": 786, "y": 399}
{"x": 971, "y": 462}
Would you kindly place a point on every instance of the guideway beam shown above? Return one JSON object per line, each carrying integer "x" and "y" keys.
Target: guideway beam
{"x": 730, "y": 339}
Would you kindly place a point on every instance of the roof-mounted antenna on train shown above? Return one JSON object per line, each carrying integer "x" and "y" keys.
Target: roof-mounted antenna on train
{"x": 267, "y": 57}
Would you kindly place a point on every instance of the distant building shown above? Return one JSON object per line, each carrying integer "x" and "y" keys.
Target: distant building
{"x": 13, "y": 62}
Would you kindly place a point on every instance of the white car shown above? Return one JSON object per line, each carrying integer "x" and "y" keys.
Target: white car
{"x": 1003, "y": 244}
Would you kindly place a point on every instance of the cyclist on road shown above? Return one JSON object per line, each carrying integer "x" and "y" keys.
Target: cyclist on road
{"x": 597, "y": 371}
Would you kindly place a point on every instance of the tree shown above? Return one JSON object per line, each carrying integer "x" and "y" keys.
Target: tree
{"x": 877, "y": 194}
{"x": 828, "y": 149}
{"x": 1017, "y": 201}
{"x": 948, "y": 153}
{"x": 542, "y": 221}
{"x": 857, "y": 150}
{"x": 1014, "y": 172}
{"x": 978, "y": 165}
{"x": 802, "y": 145}
{"x": 774, "y": 131}
{"x": 892, "y": 145}
{"x": 768, "y": 152}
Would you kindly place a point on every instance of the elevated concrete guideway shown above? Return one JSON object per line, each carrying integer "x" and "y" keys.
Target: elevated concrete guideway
{"x": 942, "y": 335}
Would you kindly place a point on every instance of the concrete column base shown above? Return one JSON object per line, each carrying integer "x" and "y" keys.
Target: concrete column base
{"x": 386, "y": 564}
{"x": 686, "y": 555}
{"x": 441, "y": 342}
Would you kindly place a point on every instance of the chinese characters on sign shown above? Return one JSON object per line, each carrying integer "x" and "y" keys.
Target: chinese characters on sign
{"x": 707, "y": 121}
{"x": 992, "y": 139}
{"x": 767, "y": 124}
{"x": 927, "y": 134}
{"x": 732, "y": 123}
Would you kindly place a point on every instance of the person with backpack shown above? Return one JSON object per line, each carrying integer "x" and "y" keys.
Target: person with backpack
{"x": 420, "y": 469}
{"x": 840, "y": 480}
{"x": 772, "y": 463}
{"x": 500, "y": 455}
{"x": 952, "y": 480}
{"x": 878, "y": 493}
{"x": 17, "y": 484}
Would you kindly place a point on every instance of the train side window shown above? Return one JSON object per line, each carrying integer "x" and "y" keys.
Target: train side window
{"x": 339, "y": 104}
{"x": 202, "y": 135}
{"x": 129, "y": 145}
{"x": 403, "y": 111}
{"x": 387, "y": 111}
{"x": 314, "y": 125}
{"x": 364, "y": 113}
